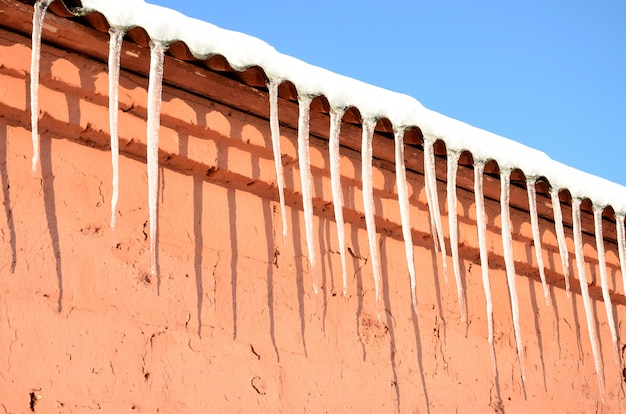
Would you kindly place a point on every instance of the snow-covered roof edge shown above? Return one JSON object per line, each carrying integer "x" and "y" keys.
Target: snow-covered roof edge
{"x": 243, "y": 51}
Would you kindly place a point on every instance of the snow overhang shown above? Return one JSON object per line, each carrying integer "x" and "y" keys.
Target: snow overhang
{"x": 255, "y": 63}
{"x": 237, "y": 52}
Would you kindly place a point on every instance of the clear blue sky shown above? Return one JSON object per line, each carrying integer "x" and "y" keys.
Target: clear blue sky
{"x": 550, "y": 74}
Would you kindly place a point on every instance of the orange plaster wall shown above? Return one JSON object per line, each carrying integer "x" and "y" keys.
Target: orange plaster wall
{"x": 231, "y": 323}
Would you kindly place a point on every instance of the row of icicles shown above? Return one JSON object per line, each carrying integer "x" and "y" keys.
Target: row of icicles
{"x": 153, "y": 122}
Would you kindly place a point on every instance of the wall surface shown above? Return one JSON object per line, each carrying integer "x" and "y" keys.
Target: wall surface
{"x": 230, "y": 323}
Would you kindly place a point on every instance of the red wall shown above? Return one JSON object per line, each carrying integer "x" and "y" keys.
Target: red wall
{"x": 231, "y": 323}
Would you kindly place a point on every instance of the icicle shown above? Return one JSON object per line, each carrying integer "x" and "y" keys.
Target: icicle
{"x": 430, "y": 181}
{"x": 115, "y": 47}
{"x": 304, "y": 163}
{"x": 582, "y": 277}
{"x": 368, "y": 203}
{"x": 155, "y": 85}
{"x": 453, "y": 164}
{"x": 560, "y": 234}
{"x": 505, "y": 193}
{"x": 39, "y": 13}
{"x": 621, "y": 245}
{"x": 479, "y": 168}
{"x": 403, "y": 200}
{"x": 335, "y": 180}
{"x": 534, "y": 220}
{"x": 275, "y": 130}
{"x": 597, "y": 218}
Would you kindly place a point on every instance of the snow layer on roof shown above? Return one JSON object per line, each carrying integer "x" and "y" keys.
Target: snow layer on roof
{"x": 243, "y": 51}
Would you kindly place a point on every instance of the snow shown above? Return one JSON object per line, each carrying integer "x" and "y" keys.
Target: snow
{"x": 582, "y": 278}
{"x": 604, "y": 279}
{"x": 38, "y": 15}
{"x": 405, "y": 217}
{"x": 560, "y": 235}
{"x": 432, "y": 197}
{"x": 479, "y": 168}
{"x": 157, "y": 53}
{"x": 243, "y": 51}
{"x": 509, "y": 263}
{"x": 115, "y": 47}
{"x": 304, "y": 162}
{"x": 453, "y": 165}
{"x": 275, "y": 131}
{"x": 368, "y": 204}
{"x": 534, "y": 220}
{"x": 335, "y": 180}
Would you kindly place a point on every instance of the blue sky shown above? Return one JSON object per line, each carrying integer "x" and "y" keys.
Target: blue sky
{"x": 549, "y": 74}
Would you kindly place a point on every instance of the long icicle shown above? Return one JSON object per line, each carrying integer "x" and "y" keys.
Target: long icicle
{"x": 403, "y": 201}
{"x": 39, "y": 12}
{"x": 604, "y": 279}
{"x": 560, "y": 235}
{"x": 432, "y": 197}
{"x": 453, "y": 165}
{"x": 335, "y": 180}
{"x": 534, "y": 220}
{"x": 582, "y": 277}
{"x": 368, "y": 204}
{"x": 304, "y": 162}
{"x": 155, "y": 86}
{"x": 621, "y": 245}
{"x": 505, "y": 195}
{"x": 479, "y": 168}
{"x": 115, "y": 47}
{"x": 278, "y": 163}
